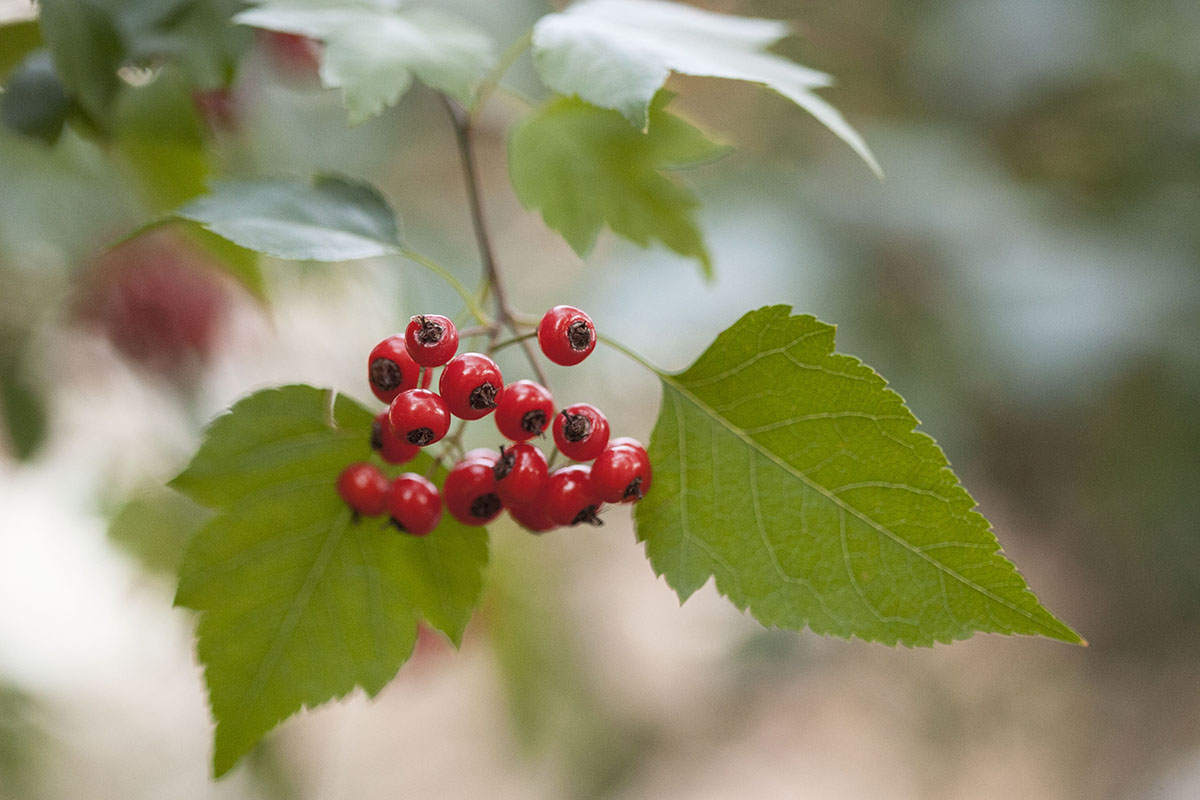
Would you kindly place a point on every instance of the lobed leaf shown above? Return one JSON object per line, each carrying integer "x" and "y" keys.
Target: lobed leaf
{"x": 301, "y": 602}
{"x": 794, "y": 476}
{"x": 618, "y": 53}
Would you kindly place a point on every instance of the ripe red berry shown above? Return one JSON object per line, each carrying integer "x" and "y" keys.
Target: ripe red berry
{"x": 364, "y": 488}
{"x": 581, "y": 432}
{"x": 391, "y": 370}
{"x": 470, "y": 384}
{"x": 520, "y": 473}
{"x": 532, "y": 517}
{"x": 470, "y": 492}
{"x": 569, "y": 498}
{"x": 524, "y": 410}
{"x": 621, "y": 474}
{"x": 415, "y": 505}
{"x": 431, "y": 339}
{"x": 566, "y": 335}
{"x": 391, "y": 448}
{"x": 419, "y": 417}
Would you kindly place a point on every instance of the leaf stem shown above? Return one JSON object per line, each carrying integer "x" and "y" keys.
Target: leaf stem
{"x": 444, "y": 274}
{"x": 507, "y": 59}
{"x": 631, "y": 355}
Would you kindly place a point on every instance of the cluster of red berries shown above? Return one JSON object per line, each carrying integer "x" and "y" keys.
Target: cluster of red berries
{"x": 485, "y": 482}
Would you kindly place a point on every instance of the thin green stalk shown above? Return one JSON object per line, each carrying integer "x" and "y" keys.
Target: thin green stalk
{"x": 630, "y": 354}
{"x": 455, "y": 284}
{"x": 507, "y": 59}
{"x": 513, "y": 340}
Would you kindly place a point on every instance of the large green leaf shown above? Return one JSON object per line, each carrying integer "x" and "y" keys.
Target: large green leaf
{"x": 87, "y": 49}
{"x": 794, "y": 476}
{"x": 585, "y": 167}
{"x": 373, "y": 48}
{"x": 326, "y": 219}
{"x": 618, "y": 53}
{"x": 17, "y": 40}
{"x": 301, "y": 602}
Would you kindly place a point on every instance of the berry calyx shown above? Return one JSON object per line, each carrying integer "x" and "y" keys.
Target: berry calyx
{"x": 414, "y": 503}
{"x": 621, "y": 474}
{"x": 364, "y": 488}
{"x": 470, "y": 385}
{"x": 569, "y": 498}
{"x": 391, "y": 370}
{"x": 566, "y": 335}
{"x": 390, "y": 447}
{"x": 431, "y": 339}
{"x": 524, "y": 410}
{"x": 520, "y": 473}
{"x": 581, "y": 431}
{"x": 419, "y": 417}
{"x": 470, "y": 492}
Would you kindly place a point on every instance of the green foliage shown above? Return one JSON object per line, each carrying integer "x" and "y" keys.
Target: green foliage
{"x": 17, "y": 40}
{"x": 373, "y": 48}
{"x": 326, "y": 219}
{"x": 618, "y": 53}
{"x": 300, "y": 602}
{"x": 585, "y": 167}
{"x": 87, "y": 50}
{"x": 155, "y": 527}
{"x": 795, "y": 477}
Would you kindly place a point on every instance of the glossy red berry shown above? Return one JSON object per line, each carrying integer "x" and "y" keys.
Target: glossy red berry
{"x": 470, "y": 384}
{"x": 532, "y": 517}
{"x": 621, "y": 474}
{"x": 470, "y": 492}
{"x": 581, "y": 432}
{"x": 391, "y": 370}
{"x": 419, "y": 417}
{"x": 569, "y": 498}
{"x": 524, "y": 410}
{"x": 391, "y": 448}
{"x": 364, "y": 488}
{"x": 415, "y": 505}
{"x": 520, "y": 473}
{"x": 566, "y": 335}
{"x": 431, "y": 339}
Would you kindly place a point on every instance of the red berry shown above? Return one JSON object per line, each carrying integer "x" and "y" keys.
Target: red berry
{"x": 364, "y": 488}
{"x": 532, "y": 517}
{"x": 391, "y": 448}
{"x": 566, "y": 335}
{"x": 581, "y": 431}
{"x": 391, "y": 370}
{"x": 470, "y": 493}
{"x": 415, "y": 505}
{"x": 621, "y": 474}
{"x": 470, "y": 384}
{"x": 431, "y": 339}
{"x": 419, "y": 417}
{"x": 524, "y": 410}
{"x": 520, "y": 473}
{"x": 569, "y": 498}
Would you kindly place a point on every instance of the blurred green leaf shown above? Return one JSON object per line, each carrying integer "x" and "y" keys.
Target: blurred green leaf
{"x": 585, "y": 167}
{"x": 196, "y": 36}
{"x": 87, "y": 50}
{"x": 618, "y": 53}
{"x": 155, "y": 527}
{"x": 301, "y": 602}
{"x": 24, "y": 411}
{"x": 326, "y": 219}
{"x": 794, "y": 476}
{"x": 159, "y": 133}
{"x": 241, "y": 263}
{"x": 373, "y": 48}
{"x": 34, "y": 102}
{"x": 17, "y": 40}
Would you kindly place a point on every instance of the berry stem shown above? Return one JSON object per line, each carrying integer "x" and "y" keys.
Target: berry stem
{"x": 513, "y": 340}
{"x": 444, "y": 274}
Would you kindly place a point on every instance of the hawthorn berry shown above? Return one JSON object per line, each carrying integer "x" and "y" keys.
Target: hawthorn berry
{"x": 470, "y": 384}
{"x": 391, "y": 370}
{"x": 621, "y": 474}
{"x": 569, "y": 497}
{"x": 532, "y": 517}
{"x": 581, "y": 431}
{"x": 419, "y": 416}
{"x": 414, "y": 503}
{"x": 520, "y": 473}
{"x": 566, "y": 335}
{"x": 390, "y": 447}
{"x": 470, "y": 492}
{"x": 524, "y": 410}
{"x": 364, "y": 488}
{"x": 431, "y": 339}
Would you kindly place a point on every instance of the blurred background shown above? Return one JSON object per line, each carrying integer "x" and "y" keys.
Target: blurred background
{"x": 1026, "y": 277}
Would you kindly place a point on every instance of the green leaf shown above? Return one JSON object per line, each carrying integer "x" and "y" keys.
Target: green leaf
{"x": 794, "y": 476}
{"x": 17, "y": 40}
{"x": 87, "y": 49}
{"x": 155, "y": 526}
{"x": 196, "y": 36}
{"x": 373, "y": 48}
{"x": 618, "y": 53}
{"x": 326, "y": 219}
{"x": 585, "y": 167}
{"x": 300, "y": 602}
